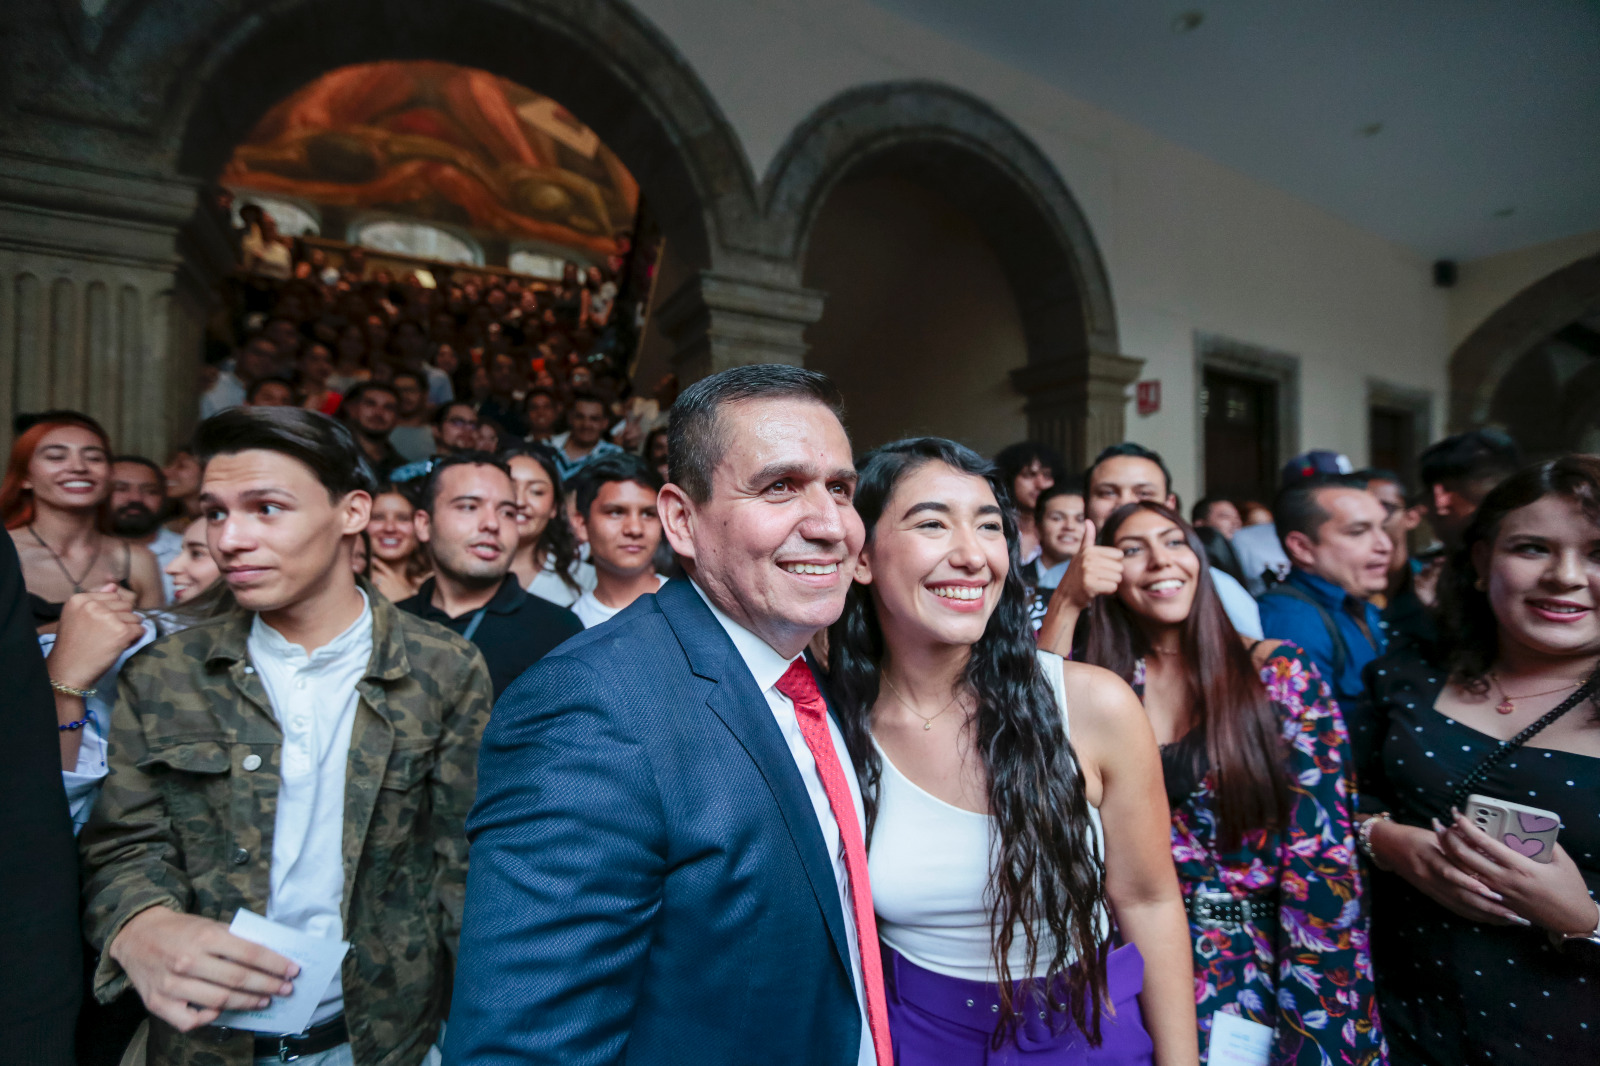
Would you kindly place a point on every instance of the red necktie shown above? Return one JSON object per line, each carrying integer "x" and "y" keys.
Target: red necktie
{"x": 812, "y": 713}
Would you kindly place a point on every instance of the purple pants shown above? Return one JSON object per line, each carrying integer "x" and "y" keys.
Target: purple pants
{"x": 936, "y": 1020}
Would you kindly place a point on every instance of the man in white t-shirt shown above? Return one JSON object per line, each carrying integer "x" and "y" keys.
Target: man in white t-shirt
{"x": 616, "y": 513}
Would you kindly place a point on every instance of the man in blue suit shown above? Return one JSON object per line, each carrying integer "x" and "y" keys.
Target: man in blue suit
{"x": 659, "y": 873}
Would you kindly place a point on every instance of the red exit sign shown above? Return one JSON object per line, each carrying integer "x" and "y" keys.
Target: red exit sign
{"x": 1147, "y": 394}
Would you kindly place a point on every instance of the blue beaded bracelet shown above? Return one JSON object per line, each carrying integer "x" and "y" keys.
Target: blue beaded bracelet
{"x": 74, "y": 726}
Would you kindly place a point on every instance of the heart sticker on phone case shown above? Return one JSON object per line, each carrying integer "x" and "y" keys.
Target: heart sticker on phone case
{"x": 1528, "y": 848}
{"x": 1532, "y": 823}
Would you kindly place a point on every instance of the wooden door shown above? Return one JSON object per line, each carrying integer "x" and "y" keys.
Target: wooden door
{"x": 1392, "y": 441}
{"x": 1241, "y": 435}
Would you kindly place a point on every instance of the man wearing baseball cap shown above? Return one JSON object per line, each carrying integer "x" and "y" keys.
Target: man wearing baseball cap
{"x": 1257, "y": 547}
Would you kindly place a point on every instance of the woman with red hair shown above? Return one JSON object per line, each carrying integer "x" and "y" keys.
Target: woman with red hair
{"x": 54, "y": 501}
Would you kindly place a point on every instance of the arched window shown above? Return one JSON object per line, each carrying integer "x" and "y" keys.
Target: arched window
{"x": 418, "y": 239}
{"x": 293, "y": 220}
{"x": 538, "y": 264}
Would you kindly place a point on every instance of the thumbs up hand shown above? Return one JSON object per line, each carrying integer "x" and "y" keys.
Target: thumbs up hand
{"x": 1095, "y": 571}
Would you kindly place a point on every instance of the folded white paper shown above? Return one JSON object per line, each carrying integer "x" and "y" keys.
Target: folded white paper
{"x": 319, "y": 961}
{"x": 1237, "y": 1041}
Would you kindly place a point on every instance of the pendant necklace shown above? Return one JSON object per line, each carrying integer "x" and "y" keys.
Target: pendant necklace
{"x": 76, "y": 583}
{"x": 927, "y": 723}
{"x": 1506, "y": 704}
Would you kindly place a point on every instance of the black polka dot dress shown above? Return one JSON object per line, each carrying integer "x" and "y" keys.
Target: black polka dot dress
{"x": 1451, "y": 990}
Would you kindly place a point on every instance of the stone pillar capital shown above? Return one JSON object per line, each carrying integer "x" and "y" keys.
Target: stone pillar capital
{"x": 1076, "y": 404}
{"x": 716, "y": 321}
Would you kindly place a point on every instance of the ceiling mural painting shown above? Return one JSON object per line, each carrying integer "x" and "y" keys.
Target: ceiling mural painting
{"x": 444, "y": 144}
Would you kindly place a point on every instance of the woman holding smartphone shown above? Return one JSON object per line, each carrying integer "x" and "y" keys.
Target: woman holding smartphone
{"x": 1255, "y": 758}
{"x": 988, "y": 769}
{"x": 1483, "y": 955}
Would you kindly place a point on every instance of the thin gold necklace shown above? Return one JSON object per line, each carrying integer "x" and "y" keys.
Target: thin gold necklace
{"x": 1507, "y": 704}
{"x": 927, "y": 723}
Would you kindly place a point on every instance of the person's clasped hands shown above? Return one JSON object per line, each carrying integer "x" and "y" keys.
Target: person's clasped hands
{"x": 96, "y": 628}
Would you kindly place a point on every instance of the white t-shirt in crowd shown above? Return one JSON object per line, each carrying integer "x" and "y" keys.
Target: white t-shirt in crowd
{"x": 548, "y": 585}
{"x": 591, "y": 612}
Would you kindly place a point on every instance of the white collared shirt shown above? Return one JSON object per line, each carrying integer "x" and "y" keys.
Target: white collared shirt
{"x": 314, "y": 699}
{"x": 767, "y": 666}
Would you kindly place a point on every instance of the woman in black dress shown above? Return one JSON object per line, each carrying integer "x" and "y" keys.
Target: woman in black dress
{"x": 1482, "y": 955}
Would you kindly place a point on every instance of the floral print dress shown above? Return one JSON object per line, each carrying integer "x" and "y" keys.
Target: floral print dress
{"x": 1310, "y": 977}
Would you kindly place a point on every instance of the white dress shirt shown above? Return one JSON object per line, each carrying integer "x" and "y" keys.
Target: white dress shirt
{"x": 1237, "y": 603}
{"x": 314, "y": 698}
{"x": 767, "y": 666}
{"x": 83, "y": 781}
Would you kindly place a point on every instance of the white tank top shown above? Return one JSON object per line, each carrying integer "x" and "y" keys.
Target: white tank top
{"x": 930, "y": 865}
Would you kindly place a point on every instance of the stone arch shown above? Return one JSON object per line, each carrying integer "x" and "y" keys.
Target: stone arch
{"x": 1525, "y": 322}
{"x": 965, "y": 151}
{"x": 598, "y": 58}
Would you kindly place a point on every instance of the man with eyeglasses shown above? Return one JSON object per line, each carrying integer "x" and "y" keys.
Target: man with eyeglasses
{"x": 455, "y": 430}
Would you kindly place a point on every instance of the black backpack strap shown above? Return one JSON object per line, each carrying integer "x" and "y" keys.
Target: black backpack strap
{"x": 1341, "y": 653}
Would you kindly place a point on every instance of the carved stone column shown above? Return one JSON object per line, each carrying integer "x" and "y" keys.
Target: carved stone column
{"x": 716, "y": 321}
{"x": 104, "y": 289}
{"x": 1077, "y": 406}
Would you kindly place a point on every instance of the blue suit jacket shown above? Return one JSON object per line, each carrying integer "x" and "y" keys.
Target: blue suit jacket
{"x": 647, "y": 879}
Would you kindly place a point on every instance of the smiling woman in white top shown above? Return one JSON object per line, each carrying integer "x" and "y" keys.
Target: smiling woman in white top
{"x": 993, "y": 881}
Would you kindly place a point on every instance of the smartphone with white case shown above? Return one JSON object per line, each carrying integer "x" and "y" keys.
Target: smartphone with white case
{"x": 1528, "y": 831}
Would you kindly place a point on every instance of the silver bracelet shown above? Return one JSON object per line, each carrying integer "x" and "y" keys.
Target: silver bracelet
{"x": 1560, "y": 940}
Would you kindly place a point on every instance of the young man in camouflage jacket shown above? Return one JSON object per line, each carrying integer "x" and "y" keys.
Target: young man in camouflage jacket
{"x": 310, "y": 756}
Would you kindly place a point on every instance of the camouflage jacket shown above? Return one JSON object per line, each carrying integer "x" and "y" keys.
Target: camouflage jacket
{"x": 186, "y": 819}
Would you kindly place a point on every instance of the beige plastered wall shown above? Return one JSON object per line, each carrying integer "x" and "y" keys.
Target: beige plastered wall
{"x": 1484, "y": 285}
{"x": 1190, "y": 246}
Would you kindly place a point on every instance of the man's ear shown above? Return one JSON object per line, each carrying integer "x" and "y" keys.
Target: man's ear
{"x": 357, "y": 508}
{"x": 423, "y": 524}
{"x": 1172, "y": 501}
{"x": 580, "y": 528}
{"x": 677, "y": 515}
{"x": 1413, "y": 517}
{"x": 1300, "y": 549}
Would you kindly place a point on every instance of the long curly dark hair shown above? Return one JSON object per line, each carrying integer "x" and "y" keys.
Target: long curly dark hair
{"x": 1243, "y": 738}
{"x": 557, "y": 543}
{"x": 1470, "y": 633}
{"x": 1047, "y": 878}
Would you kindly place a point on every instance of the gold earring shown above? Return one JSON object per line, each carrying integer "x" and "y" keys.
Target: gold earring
{"x": 1480, "y": 585}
